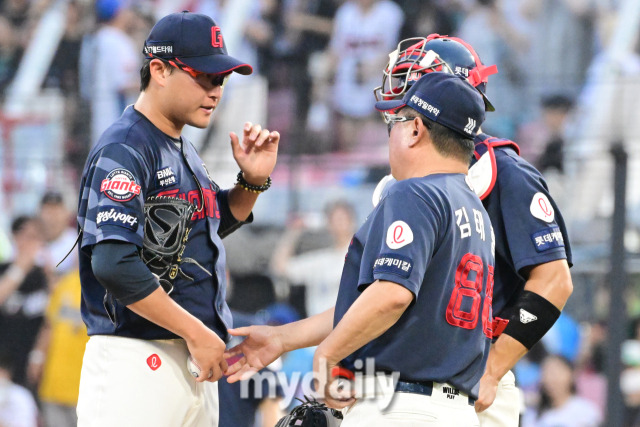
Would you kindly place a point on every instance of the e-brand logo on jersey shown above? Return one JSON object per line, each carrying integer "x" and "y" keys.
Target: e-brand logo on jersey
{"x": 542, "y": 208}
{"x": 120, "y": 185}
{"x": 399, "y": 234}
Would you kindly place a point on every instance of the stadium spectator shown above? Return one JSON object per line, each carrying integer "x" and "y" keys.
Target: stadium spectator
{"x": 565, "y": 63}
{"x": 23, "y": 295}
{"x": 542, "y": 141}
{"x": 364, "y": 32}
{"x": 498, "y": 34}
{"x": 64, "y": 75}
{"x": 10, "y": 53}
{"x": 111, "y": 60}
{"x": 17, "y": 406}
{"x": 54, "y": 368}
{"x": 59, "y": 236}
{"x": 318, "y": 270}
{"x": 630, "y": 377}
{"x": 559, "y": 406}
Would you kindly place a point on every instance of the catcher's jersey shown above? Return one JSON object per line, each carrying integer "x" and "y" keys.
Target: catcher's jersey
{"x": 132, "y": 161}
{"x": 432, "y": 236}
{"x": 527, "y": 223}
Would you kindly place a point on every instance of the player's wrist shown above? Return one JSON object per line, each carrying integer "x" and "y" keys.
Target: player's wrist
{"x": 325, "y": 355}
{"x": 492, "y": 377}
{"x": 194, "y": 333}
{"x": 253, "y": 183}
{"x": 280, "y": 335}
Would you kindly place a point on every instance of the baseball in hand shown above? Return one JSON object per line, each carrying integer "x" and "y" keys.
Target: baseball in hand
{"x": 193, "y": 368}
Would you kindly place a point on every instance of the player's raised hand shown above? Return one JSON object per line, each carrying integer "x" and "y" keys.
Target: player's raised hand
{"x": 487, "y": 393}
{"x": 207, "y": 350}
{"x": 259, "y": 349}
{"x": 257, "y": 154}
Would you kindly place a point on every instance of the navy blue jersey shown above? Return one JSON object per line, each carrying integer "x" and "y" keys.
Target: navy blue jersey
{"x": 432, "y": 236}
{"x": 528, "y": 226}
{"x": 132, "y": 161}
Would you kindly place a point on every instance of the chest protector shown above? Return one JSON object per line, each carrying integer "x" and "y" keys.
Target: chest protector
{"x": 484, "y": 172}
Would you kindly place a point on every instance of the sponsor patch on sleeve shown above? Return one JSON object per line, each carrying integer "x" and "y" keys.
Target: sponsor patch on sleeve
{"x": 541, "y": 208}
{"x": 393, "y": 264}
{"x": 399, "y": 234}
{"x": 166, "y": 177}
{"x": 120, "y": 185}
{"x": 117, "y": 216}
{"x": 549, "y": 238}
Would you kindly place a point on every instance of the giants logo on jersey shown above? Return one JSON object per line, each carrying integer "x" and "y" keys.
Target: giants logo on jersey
{"x": 120, "y": 185}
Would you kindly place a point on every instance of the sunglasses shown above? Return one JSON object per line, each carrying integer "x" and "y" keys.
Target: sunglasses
{"x": 392, "y": 119}
{"x": 215, "y": 79}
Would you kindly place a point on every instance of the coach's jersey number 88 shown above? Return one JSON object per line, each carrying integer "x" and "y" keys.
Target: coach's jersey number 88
{"x": 471, "y": 287}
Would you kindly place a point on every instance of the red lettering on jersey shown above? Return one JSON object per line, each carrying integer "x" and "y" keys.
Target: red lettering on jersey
{"x": 216, "y": 37}
{"x": 154, "y": 361}
{"x": 210, "y": 203}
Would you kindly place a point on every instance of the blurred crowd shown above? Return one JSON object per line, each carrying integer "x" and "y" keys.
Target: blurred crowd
{"x": 319, "y": 61}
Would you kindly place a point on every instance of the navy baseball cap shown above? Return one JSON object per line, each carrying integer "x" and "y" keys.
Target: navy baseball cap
{"x": 446, "y": 99}
{"x": 194, "y": 40}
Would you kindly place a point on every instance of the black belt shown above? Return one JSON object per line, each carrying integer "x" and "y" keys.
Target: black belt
{"x": 424, "y": 388}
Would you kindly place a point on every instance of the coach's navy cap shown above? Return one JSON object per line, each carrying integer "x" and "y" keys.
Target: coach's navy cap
{"x": 446, "y": 99}
{"x": 194, "y": 40}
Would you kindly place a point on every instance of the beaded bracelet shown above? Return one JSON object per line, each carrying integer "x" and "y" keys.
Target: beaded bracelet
{"x": 250, "y": 187}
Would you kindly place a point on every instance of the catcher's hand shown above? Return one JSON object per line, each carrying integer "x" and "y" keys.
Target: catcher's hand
{"x": 311, "y": 413}
{"x": 488, "y": 391}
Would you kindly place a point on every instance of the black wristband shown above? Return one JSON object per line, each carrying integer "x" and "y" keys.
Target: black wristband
{"x": 534, "y": 317}
{"x": 250, "y": 187}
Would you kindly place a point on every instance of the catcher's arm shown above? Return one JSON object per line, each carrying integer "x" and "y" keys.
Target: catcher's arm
{"x": 552, "y": 281}
{"x": 264, "y": 344}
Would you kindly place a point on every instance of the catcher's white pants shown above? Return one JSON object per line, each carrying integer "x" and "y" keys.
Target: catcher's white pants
{"x": 410, "y": 409}
{"x": 505, "y": 410}
{"x": 131, "y": 382}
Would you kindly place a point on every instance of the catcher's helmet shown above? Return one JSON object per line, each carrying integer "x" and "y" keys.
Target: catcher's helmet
{"x": 419, "y": 55}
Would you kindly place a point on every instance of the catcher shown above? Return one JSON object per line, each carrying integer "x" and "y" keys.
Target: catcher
{"x": 152, "y": 263}
{"x": 311, "y": 413}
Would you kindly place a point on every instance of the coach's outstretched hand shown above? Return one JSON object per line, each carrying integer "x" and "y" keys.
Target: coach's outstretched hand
{"x": 257, "y": 154}
{"x": 260, "y": 348}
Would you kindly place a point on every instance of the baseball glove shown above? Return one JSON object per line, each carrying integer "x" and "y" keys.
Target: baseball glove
{"x": 311, "y": 413}
{"x": 166, "y": 231}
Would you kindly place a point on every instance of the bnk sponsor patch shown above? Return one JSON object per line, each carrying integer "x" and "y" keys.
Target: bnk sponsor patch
{"x": 393, "y": 264}
{"x": 166, "y": 177}
{"x": 120, "y": 185}
{"x": 549, "y": 238}
{"x": 117, "y": 216}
